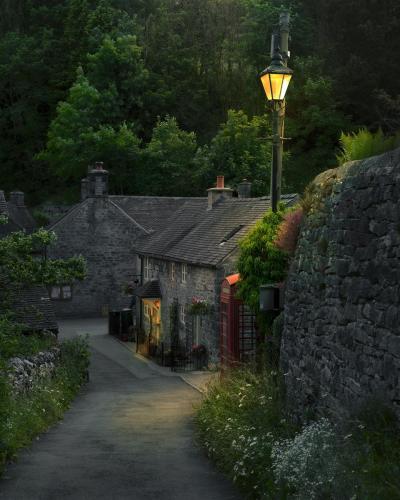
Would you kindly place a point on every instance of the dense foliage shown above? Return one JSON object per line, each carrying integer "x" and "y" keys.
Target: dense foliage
{"x": 260, "y": 260}
{"x": 85, "y": 80}
{"x": 242, "y": 425}
{"x": 25, "y": 415}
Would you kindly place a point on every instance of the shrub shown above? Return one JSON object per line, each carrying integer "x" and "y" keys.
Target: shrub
{"x": 24, "y": 416}
{"x": 307, "y": 463}
{"x": 238, "y": 423}
{"x": 260, "y": 261}
{"x": 289, "y": 231}
{"x": 363, "y": 144}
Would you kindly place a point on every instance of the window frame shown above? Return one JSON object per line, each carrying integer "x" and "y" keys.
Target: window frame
{"x": 184, "y": 272}
{"x": 146, "y": 268}
{"x": 182, "y": 314}
{"x": 63, "y": 296}
{"x": 172, "y": 271}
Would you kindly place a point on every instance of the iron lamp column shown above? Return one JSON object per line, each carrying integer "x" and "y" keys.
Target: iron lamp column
{"x": 275, "y": 80}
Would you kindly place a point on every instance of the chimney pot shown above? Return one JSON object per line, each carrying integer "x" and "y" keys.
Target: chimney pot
{"x": 244, "y": 189}
{"x": 3, "y": 204}
{"x": 220, "y": 181}
{"x": 17, "y": 198}
{"x": 218, "y": 193}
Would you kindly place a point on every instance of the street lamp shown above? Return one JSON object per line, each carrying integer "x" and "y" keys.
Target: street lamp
{"x": 275, "y": 80}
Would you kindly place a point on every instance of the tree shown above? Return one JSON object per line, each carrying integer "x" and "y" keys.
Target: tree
{"x": 80, "y": 135}
{"x": 239, "y": 150}
{"x": 168, "y": 166}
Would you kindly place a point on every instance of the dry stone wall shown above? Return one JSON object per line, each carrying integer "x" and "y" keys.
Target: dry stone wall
{"x": 341, "y": 338}
{"x": 25, "y": 373}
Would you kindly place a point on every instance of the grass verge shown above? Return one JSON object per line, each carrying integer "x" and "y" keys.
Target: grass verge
{"x": 24, "y": 416}
{"x": 242, "y": 425}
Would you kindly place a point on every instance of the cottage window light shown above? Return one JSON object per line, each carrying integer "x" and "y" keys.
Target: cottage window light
{"x": 184, "y": 273}
{"x": 61, "y": 292}
{"x": 183, "y": 314}
{"x": 146, "y": 268}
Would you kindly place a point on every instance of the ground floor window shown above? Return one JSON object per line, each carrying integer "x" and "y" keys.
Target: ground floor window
{"x": 61, "y": 292}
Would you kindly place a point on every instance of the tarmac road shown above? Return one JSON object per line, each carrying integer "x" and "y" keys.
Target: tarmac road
{"x": 128, "y": 435}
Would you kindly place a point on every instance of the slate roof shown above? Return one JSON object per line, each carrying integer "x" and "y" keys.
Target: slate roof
{"x": 32, "y": 307}
{"x": 206, "y": 237}
{"x": 151, "y": 212}
{"x": 19, "y": 218}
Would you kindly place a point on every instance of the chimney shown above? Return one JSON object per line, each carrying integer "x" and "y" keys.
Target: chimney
{"x": 17, "y": 198}
{"x": 84, "y": 188}
{"x": 218, "y": 193}
{"x": 97, "y": 181}
{"x": 244, "y": 189}
{"x": 3, "y": 204}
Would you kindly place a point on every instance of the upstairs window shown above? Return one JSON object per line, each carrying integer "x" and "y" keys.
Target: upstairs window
{"x": 172, "y": 271}
{"x": 146, "y": 268}
{"x": 61, "y": 292}
{"x": 184, "y": 273}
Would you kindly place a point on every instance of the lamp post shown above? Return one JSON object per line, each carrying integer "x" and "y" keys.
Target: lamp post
{"x": 275, "y": 80}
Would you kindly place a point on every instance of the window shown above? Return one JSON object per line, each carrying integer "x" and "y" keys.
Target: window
{"x": 146, "y": 311}
{"x": 172, "y": 269}
{"x": 184, "y": 273}
{"x": 61, "y": 292}
{"x": 183, "y": 314}
{"x": 146, "y": 268}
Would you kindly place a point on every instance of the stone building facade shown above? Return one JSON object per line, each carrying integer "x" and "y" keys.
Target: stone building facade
{"x": 187, "y": 262}
{"x": 104, "y": 229}
{"x": 341, "y": 338}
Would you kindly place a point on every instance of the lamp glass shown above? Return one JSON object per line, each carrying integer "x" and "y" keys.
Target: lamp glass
{"x": 275, "y": 85}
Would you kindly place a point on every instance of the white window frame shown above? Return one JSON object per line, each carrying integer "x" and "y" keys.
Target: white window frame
{"x": 183, "y": 314}
{"x": 172, "y": 271}
{"x": 146, "y": 310}
{"x": 146, "y": 268}
{"x": 184, "y": 272}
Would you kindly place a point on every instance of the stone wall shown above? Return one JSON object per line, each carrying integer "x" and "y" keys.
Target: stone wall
{"x": 341, "y": 339}
{"x": 25, "y": 373}
{"x": 105, "y": 236}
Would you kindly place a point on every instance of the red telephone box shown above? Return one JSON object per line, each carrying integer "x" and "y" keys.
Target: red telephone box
{"x": 237, "y": 326}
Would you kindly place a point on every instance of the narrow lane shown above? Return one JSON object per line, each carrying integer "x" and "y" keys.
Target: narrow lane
{"x": 128, "y": 435}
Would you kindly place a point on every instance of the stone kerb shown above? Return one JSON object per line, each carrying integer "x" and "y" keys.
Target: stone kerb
{"x": 341, "y": 339}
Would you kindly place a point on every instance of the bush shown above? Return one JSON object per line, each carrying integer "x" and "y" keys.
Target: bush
{"x": 289, "y": 231}
{"x": 14, "y": 343}
{"x": 242, "y": 425}
{"x": 307, "y": 463}
{"x": 24, "y": 416}
{"x": 238, "y": 423}
{"x": 363, "y": 144}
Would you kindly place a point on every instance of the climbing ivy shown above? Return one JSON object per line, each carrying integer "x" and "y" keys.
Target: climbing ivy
{"x": 260, "y": 261}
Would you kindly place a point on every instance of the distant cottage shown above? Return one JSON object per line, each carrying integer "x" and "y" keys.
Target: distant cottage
{"x": 31, "y": 304}
{"x": 171, "y": 253}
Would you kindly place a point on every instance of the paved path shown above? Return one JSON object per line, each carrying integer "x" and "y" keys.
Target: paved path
{"x": 128, "y": 435}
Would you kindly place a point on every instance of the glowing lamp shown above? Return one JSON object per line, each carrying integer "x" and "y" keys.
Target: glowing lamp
{"x": 276, "y": 78}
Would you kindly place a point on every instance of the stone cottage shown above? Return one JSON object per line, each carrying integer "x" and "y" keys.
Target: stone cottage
{"x": 184, "y": 264}
{"x": 105, "y": 229}
{"x": 31, "y": 304}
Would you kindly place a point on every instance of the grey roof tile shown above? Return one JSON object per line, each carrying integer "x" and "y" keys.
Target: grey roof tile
{"x": 206, "y": 237}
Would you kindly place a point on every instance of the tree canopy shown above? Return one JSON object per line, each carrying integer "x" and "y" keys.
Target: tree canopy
{"x": 85, "y": 80}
